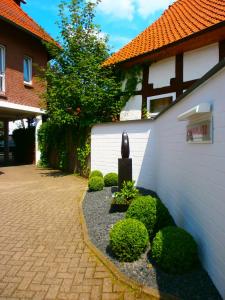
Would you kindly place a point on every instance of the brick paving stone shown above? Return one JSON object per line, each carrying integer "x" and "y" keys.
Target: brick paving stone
{"x": 42, "y": 250}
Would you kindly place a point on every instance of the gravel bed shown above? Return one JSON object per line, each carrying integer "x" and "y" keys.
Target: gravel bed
{"x": 99, "y": 219}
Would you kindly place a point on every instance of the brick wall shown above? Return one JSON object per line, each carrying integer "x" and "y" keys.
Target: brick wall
{"x": 18, "y": 44}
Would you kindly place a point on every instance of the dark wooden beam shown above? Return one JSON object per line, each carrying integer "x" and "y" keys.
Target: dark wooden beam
{"x": 222, "y": 50}
{"x": 179, "y": 74}
{"x": 145, "y": 86}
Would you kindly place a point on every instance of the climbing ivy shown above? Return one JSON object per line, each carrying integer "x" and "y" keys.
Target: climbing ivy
{"x": 82, "y": 156}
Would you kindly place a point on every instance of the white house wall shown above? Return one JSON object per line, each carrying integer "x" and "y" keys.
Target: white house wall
{"x": 132, "y": 109}
{"x": 189, "y": 178}
{"x": 200, "y": 61}
{"x": 161, "y": 72}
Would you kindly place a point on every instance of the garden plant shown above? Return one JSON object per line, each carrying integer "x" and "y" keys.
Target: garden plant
{"x": 128, "y": 239}
{"x": 111, "y": 179}
{"x": 96, "y": 183}
{"x": 96, "y": 173}
{"x": 127, "y": 193}
{"x": 175, "y": 250}
{"x": 152, "y": 212}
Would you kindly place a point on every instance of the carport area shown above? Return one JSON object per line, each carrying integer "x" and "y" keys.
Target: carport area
{"x": 11, "y": 112}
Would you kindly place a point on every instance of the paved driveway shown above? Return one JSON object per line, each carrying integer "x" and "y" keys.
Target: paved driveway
{"x": 42, "y": 252}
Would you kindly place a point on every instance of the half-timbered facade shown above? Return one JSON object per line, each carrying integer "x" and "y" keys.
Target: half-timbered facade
{"x": 174, "y": 52}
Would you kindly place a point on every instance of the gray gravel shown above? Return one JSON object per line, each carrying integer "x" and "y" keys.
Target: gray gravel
{"x": 194, "y": 285}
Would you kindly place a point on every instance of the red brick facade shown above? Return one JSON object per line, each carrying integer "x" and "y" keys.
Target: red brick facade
{"x": 19, "y": 43}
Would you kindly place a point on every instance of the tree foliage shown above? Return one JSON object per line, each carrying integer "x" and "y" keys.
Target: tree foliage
{"x": 80, "y": 90}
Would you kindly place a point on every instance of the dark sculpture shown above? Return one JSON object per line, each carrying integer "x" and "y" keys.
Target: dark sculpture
{"x": 125, "y": 147}
{"x": 124, "y": 163}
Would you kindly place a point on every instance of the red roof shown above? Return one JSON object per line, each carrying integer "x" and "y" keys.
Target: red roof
{"x": 182, "y": 19}
{"x": 13, "y": 13}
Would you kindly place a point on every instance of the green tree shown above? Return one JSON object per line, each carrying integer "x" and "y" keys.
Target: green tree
{"x": 81, "y": 91}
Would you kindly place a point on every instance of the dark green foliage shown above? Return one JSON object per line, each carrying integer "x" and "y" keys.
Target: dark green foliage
{"x": 24, "y": 139}
{"x": 127, "y": 193}
{"x": 96, "y": 173}
{"x": 120, "y": 200}
{"x": 151, "y": 212}
{"x": 80, "y": 90}
{"x": 96, "y": 183}
{"x": 128, "y": 239}
{"x": 55, "y": 143}
{"x": 175, "y": 250}
{"x": 82, "y": 156}
{"x": 111, "y": 179}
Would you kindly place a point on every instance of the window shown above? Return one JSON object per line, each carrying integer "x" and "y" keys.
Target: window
{"x": 160, "y": 104}
{"x": 2, "y": 69}
{"x": 27, "y": 70}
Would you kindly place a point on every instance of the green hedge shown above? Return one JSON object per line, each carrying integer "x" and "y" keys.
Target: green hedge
{"x": 96, "y": 173}
{"x": 151, "y": 212}
{"x": 111, "y": 179}
{"x": 128, "y": 239}
{"x": 96, "y": 183}
{"x": 175, "y": 250}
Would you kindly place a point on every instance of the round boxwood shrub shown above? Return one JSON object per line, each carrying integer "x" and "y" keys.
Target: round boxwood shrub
{"x": 96, "y": 183}
{"x": 151, "y": 212}
{"x": 128, "y": 239}
{"x": 175, "y": 250}
{"x": 96, "y": 173}
{"x": 111, "y": 179}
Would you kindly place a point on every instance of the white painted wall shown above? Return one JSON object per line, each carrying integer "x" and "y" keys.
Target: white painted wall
{"x": 200, "y": 61}
{"x": 132, "y": 109}
{"x": 161, "y": 72}
{"x": 189, "y": 178}
{"x": 106, "y": 149}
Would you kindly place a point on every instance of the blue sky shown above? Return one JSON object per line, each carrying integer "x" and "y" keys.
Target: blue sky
{"x": 122, "y": 20}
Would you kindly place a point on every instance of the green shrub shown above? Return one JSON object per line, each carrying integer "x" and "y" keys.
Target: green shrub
{"x": 127, "y": 193}
{"x": 175, "y": 250}
{"x": 111, "y": 179}
{"x": 151, "y": 212}
{"x": 128, "y": 239}
{"x": 96, "y": 183}
{"x": 96, "y": 173}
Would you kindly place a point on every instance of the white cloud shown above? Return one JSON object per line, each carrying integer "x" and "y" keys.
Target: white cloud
{"x": 126, "y": 9}
{"x": 149, "y": 7}
{"x": 120, "y": 9}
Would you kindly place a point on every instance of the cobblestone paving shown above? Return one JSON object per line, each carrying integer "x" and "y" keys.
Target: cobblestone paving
{"x": 42, "y": 252}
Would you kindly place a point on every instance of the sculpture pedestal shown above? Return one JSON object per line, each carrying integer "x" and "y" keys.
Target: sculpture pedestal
{"x": 124, "y": 171}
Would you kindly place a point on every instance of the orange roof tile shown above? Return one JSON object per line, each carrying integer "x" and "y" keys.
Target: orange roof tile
{"x": 13, "y": 13}
{"x": 182, "y": 19}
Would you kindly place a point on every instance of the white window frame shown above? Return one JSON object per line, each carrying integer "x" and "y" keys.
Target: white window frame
{"x": 29, "y": 59}
{"x": 2, "y": 74}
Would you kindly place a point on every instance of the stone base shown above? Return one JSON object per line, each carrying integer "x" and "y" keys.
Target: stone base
{"x": 124, "y": 171}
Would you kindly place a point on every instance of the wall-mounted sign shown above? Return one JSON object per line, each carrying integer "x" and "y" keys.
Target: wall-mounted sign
{"x": 200, "y": 132}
